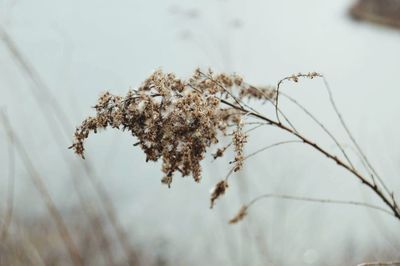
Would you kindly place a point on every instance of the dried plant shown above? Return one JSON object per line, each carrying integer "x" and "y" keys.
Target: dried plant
{"x": 178, "y": 120}
{"x": 385, "y": 12}
{"x": 218, "y": 191}
{"x": 175, "y": 120}
{"x": 240, "y": 215}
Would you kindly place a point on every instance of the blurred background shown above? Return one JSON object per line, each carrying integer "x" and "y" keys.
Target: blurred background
{"x": 56, "y": 57}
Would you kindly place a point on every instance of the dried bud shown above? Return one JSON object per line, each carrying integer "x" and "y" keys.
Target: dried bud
{"x": 217, "y": 191}
{"x": 240, "y": 215}
{"x": 239, "y": 139}
{"x": 295, "y": 78}
{"x": 219, "y": 153}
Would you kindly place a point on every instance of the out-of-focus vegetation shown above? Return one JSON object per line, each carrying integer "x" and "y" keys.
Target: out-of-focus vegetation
{"x": 385, "y": 12}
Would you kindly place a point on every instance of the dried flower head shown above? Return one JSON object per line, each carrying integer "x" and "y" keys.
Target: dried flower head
{"x": 239, "y": 139}
{"x": 218, "y": 191}
{"x": 240, "y": 215}
{"x": 219, "y": 153}
{"x": 260, "y": 93}
{"x": 174, "y": 120}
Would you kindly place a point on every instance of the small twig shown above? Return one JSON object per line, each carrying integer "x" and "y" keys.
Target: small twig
{"x": 270, "y": 146}
{"x": 259, "y": 151}
{"x": 321, "y": 125}
{"x": 380, "y": 263}
{"x": 243, "y": 211}
{"x": 224, "y": 148}
{"x": 363, "y": 163}
{"x": 250, "y": 129}
{"x": 236, "y": 99}
{"x": 294, "y": 78}
{"x": 319, "y": 200}
{"x": 350, "y": 135}
{"x": 277, "y": 108}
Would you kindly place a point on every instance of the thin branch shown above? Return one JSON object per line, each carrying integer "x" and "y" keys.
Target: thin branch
{"x": 224, "y": 148}
{"x": 248, "y": 123}
{"x": 294, "y": 78}
{"x": 322, "y": 126}
{"x": 259, "y": 151}
{"x": 380, "y": 263}
{"x": 271, "y": 146}
{"x": 363, "y": 163}
{"x": 236, "y": 99}
{"x": 258, "y": 125}
{"x": 318, "y": 200}
{"x": 350, "y": 135}
{"x": 276, "y": 108}
{"x": 334, "y": 158}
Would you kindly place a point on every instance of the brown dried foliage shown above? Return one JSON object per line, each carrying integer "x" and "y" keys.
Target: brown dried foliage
{"x": 178, "y": 120}
{"x": 218, "y": 191}
{"x": 175, "y": 120}
{"x": 240, "y": 215}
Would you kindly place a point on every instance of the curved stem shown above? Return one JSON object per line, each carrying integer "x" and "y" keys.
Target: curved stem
{"x": 258, "y": 151}
{"x": 322, "y": 126}
{"x": 350, "y": 135}
{"x": 373, "y": 186}
{"x": 318, "y": 200}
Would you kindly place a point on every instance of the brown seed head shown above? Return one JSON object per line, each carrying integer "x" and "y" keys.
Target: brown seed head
{"x": 240, "y": 215}
{"x": 217, "y": 191}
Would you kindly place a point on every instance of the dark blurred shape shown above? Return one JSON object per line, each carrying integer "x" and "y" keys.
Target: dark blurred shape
{"x": 385, "y": 12}
{"x": 36, "y": 242}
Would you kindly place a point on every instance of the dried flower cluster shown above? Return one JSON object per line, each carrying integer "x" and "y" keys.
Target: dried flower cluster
{"x": 261, "y": 93}
{"x": 218, "y": 191}
{"x": 310, "y": 75}
{"x": 240, "y": 215}
{"x": 176, "y": 120}
{"x": 239, "y": 139}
